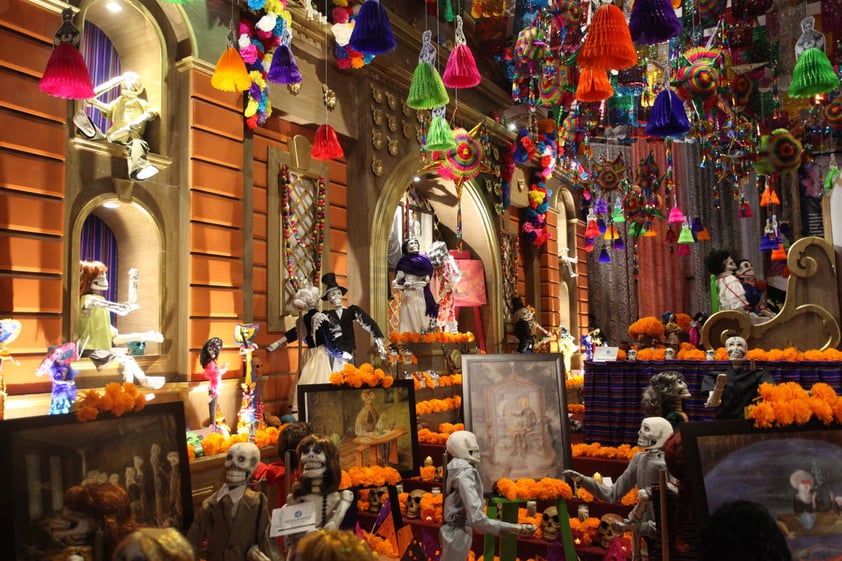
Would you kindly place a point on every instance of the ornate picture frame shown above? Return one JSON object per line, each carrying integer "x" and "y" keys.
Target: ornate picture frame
{"x": 732, "y": 460}
{"x": 516, "y": 404}
{"x": 385, "y": 435}
{"x": 42, "y": 457}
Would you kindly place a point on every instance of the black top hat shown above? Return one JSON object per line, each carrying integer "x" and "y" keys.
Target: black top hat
{"x": 517, "y": 304}
{"x": 329, "y": 280}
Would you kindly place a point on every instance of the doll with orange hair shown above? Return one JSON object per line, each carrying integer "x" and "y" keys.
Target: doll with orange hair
{"x": 97, "y": 336}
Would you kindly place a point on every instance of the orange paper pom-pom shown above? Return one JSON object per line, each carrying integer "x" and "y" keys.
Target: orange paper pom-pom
{"x": 608, "y": 43}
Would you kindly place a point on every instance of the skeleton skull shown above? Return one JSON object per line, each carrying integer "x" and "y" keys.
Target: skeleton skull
{"x": 609, "y": 528}
{"x": 240, "y": 462}
{"x": 549, "y": 524}
{"x": 413, "y": 503}
{"x": 669, "y": 353}
{"x": 653, "y": 432}
{"x": 632, "y": 354}
{"x": 463, "y": 444}
{"x": 313, "y": 461}
{"x": 438, "y": 253}
{"x": 374, "y": 502}
{"x": 736, "y": 347}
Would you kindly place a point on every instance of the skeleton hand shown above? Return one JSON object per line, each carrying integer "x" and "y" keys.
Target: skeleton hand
{"x": 575, "y": 476}
{"x": 381, "y": 348}
{"x": 254, "y": 554}
{"x": 525, "y": 529}
{"x": 715, "y": 396}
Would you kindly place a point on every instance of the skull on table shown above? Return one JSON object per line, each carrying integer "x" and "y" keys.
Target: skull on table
{"x": 549, "y": 524}
{"x": 413, "y": 503}
{"x": 609, "y": 528}
{"x": 375, "y": 502}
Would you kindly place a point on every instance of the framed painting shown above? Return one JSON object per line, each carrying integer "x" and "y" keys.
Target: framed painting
{"x": 795, "y": 472}
{"x": 370, "y": 426}
{"x": 516, "y": 404}
{"x": 44, "y": 460}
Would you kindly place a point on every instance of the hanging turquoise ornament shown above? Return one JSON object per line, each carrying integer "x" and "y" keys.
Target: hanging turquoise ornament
{"x": 426, "y": 90}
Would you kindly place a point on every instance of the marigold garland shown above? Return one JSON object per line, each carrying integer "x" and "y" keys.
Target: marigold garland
{"x": 369, "y": 476}
{"x": 427, "y": 473}
{"x": 438, "y": 405}
{"x": 366, "y": 375}
{"x": 426, "y": 381}
{"x": 597, "y": 450}
{"x": 790, "y": 354}
{"x": 445, "y": 429}
{"x": 576, "y": 408}
{"x": 117, "y": 399}
{"x": 432, "y": 507}
{"x": 215, "y": 443}
{"x": 527, "y": 488}
{"x": 379, "y": 545}
{"x": 431, "y": 337}
{"x": 781, "y": 405}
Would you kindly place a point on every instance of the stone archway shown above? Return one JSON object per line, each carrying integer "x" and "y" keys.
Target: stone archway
{"x": 479, "y": 234}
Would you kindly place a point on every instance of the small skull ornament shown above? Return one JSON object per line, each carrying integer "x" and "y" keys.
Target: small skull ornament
{"x": 549, "y": 524}
{"x": 413, "y": 503}
{"x": 375, "y": 502}
{"x": 609, "y": 528}
{"x": 632, "y": 354}
{"x": 240, "y": 462}
{"x": 669, "y": 353}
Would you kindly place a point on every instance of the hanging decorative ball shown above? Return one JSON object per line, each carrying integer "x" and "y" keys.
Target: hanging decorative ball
{"x": 463, "y": 162}
{"x": 833, "y": 114}
{"x": 783, "y": 151}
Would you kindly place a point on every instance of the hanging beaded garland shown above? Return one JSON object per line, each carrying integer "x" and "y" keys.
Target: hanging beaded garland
{"x": 314, "y": 242}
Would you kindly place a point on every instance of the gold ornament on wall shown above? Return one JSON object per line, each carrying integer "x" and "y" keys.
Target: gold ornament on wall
{"x": 376, "y": 93}
{"x": 376, "y": 166}
{"x": 407, "y": 130}
{"x": 377, "y": 139}
{"x": 294, "y": 89}
{"x": 392, "y": 145}
{"x": 329, "y": 97}
{"x": 391, "y": 100}
{"x": 376, "y": 115}
{"x": 406, "y": 109}
{"x": 392, "y": 122}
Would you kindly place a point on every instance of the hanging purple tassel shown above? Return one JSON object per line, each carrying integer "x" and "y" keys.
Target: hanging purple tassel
{"x": 653, "y": 21}
{"x": 283, "y": 69}
{"x": 668, "y": 117}
{"x": 372, "y": 33}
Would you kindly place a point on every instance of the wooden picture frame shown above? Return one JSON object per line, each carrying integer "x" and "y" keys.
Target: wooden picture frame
{"x": 498, "y": 393}
{"x": 732, "y": 460}
{"x": 388, "y": 437}
{"x": 42, "y": 457}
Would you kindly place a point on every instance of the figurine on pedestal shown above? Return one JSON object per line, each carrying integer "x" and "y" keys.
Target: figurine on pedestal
{"x": 463, "y": 503}
{"x": 340, "y": 324}
{"x": 418, "y": 307}
{"x": 446, "y": 275}
{"x": 97, "y": 336}
{"x": 213, "y": 373}
{"x": 319, "y": 483}
{"x": 234, "y": 521}
{"x": 732, "y": 391}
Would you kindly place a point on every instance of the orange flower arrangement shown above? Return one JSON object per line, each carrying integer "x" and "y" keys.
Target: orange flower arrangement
{"x": 683, "y": 320}
{"x": 628, "y": 499}
{"x": 791, "y": 354}
{"x": 431, "y": 337}
{"x": 648, "y": 326}
{"x": 116, "y": 399}
{"x": 574, "y": 380}
{"x": 523, "y": 517}
{"x": 427, "y": 473}
{"x": 432, "y": 507}
{"x": 781, "y": 405}
{"x": 527, "y": 488}
{"x": 370, "y": 476}
{"x": 380, "y": 545}
{"x": 577, "y": 408}
{"x": 215, "y": 443}
{"x": 585, "y": 532}
{"x": 445, "y": 429}
{"x": 597, "y": 450}
{"x": 438, "y": 405}
{"x": 366, "y": 375}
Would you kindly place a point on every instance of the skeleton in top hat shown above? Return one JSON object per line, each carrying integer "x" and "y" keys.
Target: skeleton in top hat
{"x": 525, "y": 325}
{"x": 340, "y": 321}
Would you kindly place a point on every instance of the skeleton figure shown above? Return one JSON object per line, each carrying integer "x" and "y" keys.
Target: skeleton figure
{"x": 413, "y": 503}
{"x": 213, "y": 373}
{"x": 418, "y": 307}
{"x": 549, "y": 524}
{"x": 319, "y": 482}
{"x": 446, "y": 274}
{"x": 665, "y": 395}
{"x": 463, "y": 503}
{"x": 235, "y": 520}
{"x": 642, "y": 472}
{"x": 733, "y": 390}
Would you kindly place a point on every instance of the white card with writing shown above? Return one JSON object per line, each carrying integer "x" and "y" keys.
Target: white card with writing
{"x": 292, "y": 519}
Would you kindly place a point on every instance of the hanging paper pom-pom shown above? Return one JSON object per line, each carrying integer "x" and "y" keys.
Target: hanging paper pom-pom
{"x": 66, "y": 75}
{"x": 741, "y": 89}
{"x": 230, "y": 74}
{"x": 593, "y": 85}
{"x": 833, "y": 114}
{"x": 780, "y": 151}
{"x": 603, "y": 256}
{"x": 668, "y": 117}
{"x": 326, "y": 144}
{"x": 426, "y": 90}
{"x": 653, "y": 21}
{"x": 461, "y": 70}
{"x": 284, "y": 69}
{"x": 676, "y": 216}
{"x": 608, "y": 43}
{"x": 463, "y": 161}
{"x": 372, "y": 33}
{"x": 813, "y": 74}
{"x": 439, "y": 135}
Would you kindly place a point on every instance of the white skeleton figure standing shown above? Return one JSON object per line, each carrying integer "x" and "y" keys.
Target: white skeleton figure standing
{"x": 463, "y": 503}
{"x": 642, "y": 472}
{"x": 446, "y": 275}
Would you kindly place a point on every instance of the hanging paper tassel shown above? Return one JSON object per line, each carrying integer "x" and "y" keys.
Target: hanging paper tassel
{"x": 372, "y": 33}
{"x": 703, "y": 235}
{"x": 461, "y": 70}
{"x": 426, "y": 90}
{"x": 676, "y": 216}
{"x": 653, "y": 21}
{"x": 608, "y": 43}
{"x": 230, "y": 74}
{"x": 326, "y": 144}
{"x": 813, "y": 74}
{"x": 439, "y": 136}
{"x": 593, "y": 85}
{"x": 684, "y": 249}
{"x": 445, "y": 11}
{"x": 686, "y": 235}
{"x": 592, "y": 228}
{"x": 284, "y": 69}
{"x": 604, "y": 257}
{"x": 66, "y": 75}
{"x": 668, "y": 117}
{"x": 779, "y": 253}
{"x": 618, "y": 244}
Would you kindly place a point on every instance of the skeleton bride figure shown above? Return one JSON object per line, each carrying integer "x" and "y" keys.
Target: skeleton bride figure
{"x": 319, "y": 483}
